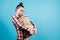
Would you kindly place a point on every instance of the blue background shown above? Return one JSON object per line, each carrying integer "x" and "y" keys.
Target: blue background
{"x": 44, "y": 13}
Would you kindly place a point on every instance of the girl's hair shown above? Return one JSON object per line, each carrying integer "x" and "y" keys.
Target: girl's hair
{"x": 19, "y": 5}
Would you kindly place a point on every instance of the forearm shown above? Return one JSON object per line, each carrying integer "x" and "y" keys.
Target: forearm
{"x": 33, "y": 29}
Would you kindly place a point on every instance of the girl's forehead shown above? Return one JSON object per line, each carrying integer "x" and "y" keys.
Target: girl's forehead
{"x": 21, "y": 8}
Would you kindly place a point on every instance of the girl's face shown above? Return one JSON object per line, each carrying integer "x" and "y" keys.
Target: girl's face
{"x": 20, "y": 10}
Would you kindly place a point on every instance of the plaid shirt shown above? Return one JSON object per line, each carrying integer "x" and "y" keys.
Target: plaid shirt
{"x": 18, "y": 25}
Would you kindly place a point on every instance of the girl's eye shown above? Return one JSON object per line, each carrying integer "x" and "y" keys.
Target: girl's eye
{"x": 21, "y": 10}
